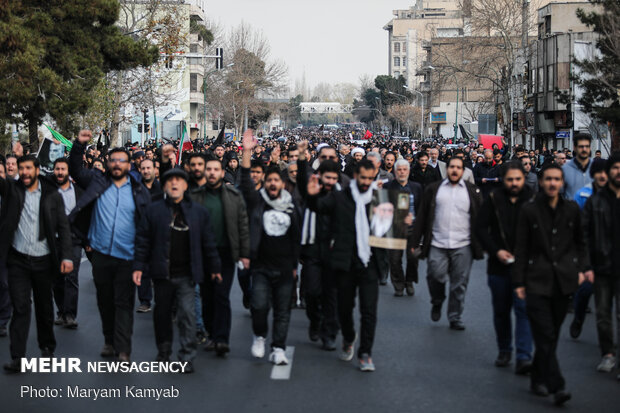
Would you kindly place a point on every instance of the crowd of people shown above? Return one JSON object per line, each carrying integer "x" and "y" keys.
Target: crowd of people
{"x": 176, "y": 227}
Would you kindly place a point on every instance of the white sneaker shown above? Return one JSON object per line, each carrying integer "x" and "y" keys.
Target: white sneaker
{"x": 278, "y": 357}
{"x": 608, "y": 363}
{"x": 258, "y": 347}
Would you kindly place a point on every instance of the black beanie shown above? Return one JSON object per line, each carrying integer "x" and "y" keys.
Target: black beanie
{"x": 613, "y": 158}
{"x": 598, "y": 165}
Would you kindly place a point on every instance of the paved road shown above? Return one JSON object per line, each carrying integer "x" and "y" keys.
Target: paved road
{"x": 421, "y": 367}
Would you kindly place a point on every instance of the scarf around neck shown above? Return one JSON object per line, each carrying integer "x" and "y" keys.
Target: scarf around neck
{"x": 362, "y": 228}
{"x": 284, "y": 203}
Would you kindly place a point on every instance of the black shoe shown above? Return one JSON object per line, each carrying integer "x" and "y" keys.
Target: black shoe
{"x": 561, "y": 397}
{"x": 457, "y": 325}
{"x": 539, "y": 390}
{"x": 221, "y": 349}
{"x": 3, "y": 332}
{"x": 189, "y": 368}
{"x": 329, "y": 344}
{"x": 398, "y": 293}
{"x": 383, "y": 282}
{"x": 313, "y": 335}
{"x": 210, "y": 345}
{"x": 13, "y": 367}
{"x": 143, "y": 308}
{"x": 523, "y": 367}
{"x": 436, "y": 312}
{"x": 70, "y": 322}
{"x": 410, "y": 290}
{"x": 46, "y": 352}
{"x": 302, "y": 303}
{"x": 201, "y": 337}
{"x": 108, "y": 351}
{"x": 503, "y": 359}
{"x": 575, "y": 328}
{"x": 162, "y": 357}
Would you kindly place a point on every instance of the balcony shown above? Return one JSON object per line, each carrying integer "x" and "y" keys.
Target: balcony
{"x": 196, "y": 97}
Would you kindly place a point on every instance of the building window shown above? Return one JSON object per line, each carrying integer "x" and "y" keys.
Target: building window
{"x": 404, "y": 48}
{"x": 540, "y": 80}
{"x": 404, "y": 62}
{"x": 169, "y": 63}
{"x": 550, "y": 76}
{"x": 397, "y": 61}
{"x": 396, "y": 47}
{"x": 193, "y": 82}
{"x": 397, "y": 74}
{"x": 193, "y": 48}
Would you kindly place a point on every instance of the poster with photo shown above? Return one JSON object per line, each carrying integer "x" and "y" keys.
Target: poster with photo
{"x": 388, "y": 210}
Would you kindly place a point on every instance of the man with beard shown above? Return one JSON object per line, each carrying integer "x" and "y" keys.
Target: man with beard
{"x": 422, "y": 173}
{"x": 388, "y": 162}
{"x": 436, "y": 163}
{"x": 531, "y": 180}
{"x": 274, "y": 249}
{"x": 66, "y": 286}
{"x": 229, "y": 220}
{"x": 352, "y": 259}
{"x": 447, "y": 221}
{"x": 105, "y": 217}
{"x": 357, "y": 154}
{"x": 577, "y": 171}
{"x": 382, "y": 217}
{"x": 496, "y": 229}
{"x": 380, "y": 173}
{"x": 317, "y": 283}
{"x": 402, "y": 184}
{"x": 486, "y": 173}
{"x": 147, "y": 172}
{"x": 232, "y": 175}
{"x": 551, "y": 256}
{"x": 36, "y": 241}
{"x": 219, "y": 151}
{"x": 601, "y": 223}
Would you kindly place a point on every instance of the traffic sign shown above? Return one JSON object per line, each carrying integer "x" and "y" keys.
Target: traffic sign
{"x": 562, "y": 134}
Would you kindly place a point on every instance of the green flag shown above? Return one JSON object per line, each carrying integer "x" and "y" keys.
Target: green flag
{"x": 60, "y": 138}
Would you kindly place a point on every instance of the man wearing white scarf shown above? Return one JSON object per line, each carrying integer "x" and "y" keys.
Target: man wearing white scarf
{"x": 354, "y": 262}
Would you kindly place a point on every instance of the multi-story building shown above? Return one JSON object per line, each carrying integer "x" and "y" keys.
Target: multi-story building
{"x": 562, "y": 38}
{"x": 410, "y": 28}
{"x": 179, "y": 79}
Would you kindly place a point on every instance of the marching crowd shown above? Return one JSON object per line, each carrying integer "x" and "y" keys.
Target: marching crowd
{"x": 176, "y": 227}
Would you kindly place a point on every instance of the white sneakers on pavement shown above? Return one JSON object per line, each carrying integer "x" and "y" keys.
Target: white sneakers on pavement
{"x": 258, "y": 347}
{"x": 278, "y": 357}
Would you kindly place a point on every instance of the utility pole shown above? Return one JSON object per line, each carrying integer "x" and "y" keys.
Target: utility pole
{"x": 525, "y": 32}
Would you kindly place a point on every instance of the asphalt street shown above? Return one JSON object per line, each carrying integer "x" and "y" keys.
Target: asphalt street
{"x": 421, "y": 366}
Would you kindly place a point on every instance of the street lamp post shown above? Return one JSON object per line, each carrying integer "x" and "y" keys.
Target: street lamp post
{"x": 421, "y": 107}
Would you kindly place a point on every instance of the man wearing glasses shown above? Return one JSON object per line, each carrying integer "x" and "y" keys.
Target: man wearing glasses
{"x": 105, "y": 217}
{"x": 577, "y": 171}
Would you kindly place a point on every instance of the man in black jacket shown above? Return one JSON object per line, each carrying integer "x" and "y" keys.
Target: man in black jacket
{"x": 422, "y": 172}
{"x": 175, "y": 240}
{"x": 66, "y": 287}
{"x": 36, "y": 242}
{"x": 274, "y": 249}
{"x": 317, "y": 278}
{"x": 106, "y": 217}
{"x": 402, "y": 184}
{"x": 601, "y": 228}
{"x": 353, "y": 261}
{"x": 486, "y": 174}
{"x": 229, "y": 219}
{"x": 447, "y": 222}
{"x": 550, "y": 255}
{"x": 496, "y": 230}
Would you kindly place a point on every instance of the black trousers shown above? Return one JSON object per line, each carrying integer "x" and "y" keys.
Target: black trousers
{"x": 366, "y": 281}
{"x": 31, "y": 276}
{"x": 115, "y": 299}
{"x": 66, "y": 287}
{"x": 216, "y": 312}
{"x": 5, "y": 299}
{"x": 400, "y": 278}
{"x": 546, "y": 315}
{"x": 318, "y": 288}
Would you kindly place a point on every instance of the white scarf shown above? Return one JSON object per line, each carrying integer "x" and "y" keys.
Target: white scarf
{"x": 362, "y": 228}
{"x": 308, "y": 230}
{"x": 283, "y": 203}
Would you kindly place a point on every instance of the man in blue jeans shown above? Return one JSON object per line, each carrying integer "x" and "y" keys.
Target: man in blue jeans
{"x": 496, "y": 230}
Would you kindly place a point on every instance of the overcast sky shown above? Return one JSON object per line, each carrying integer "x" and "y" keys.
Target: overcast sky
{"x": 331, "y": 40}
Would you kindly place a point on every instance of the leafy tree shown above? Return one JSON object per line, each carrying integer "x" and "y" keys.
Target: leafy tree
{"x": 600, "y": 74}
{"x": 54, "y": 52}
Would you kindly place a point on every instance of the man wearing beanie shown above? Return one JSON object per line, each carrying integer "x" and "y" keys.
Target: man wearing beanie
{"x": 176, "y": 242}
{"x": 601, "y": 229}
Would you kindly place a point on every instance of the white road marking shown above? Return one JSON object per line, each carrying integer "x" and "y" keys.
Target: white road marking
{"x": 284, "y": 372}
